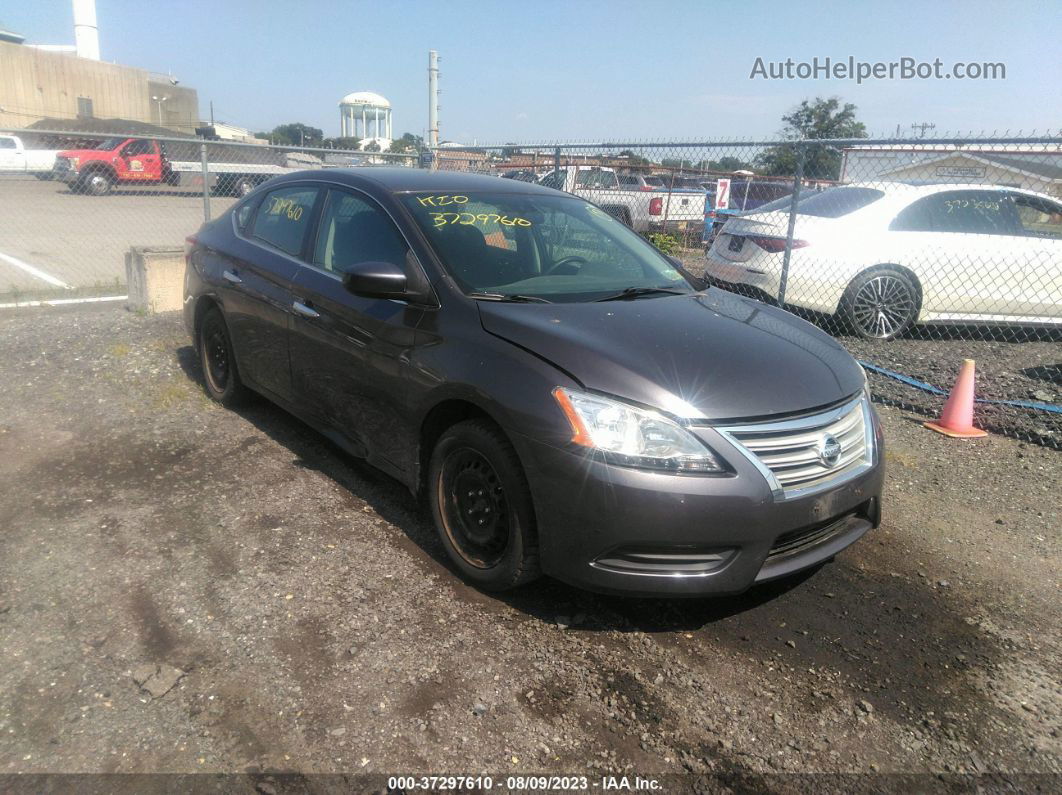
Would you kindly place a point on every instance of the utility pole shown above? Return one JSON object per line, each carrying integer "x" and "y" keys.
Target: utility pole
{"x": 433, "y": 98}
{"x": 923, "y": 127}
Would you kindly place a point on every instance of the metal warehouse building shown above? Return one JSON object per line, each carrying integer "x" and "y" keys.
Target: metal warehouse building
{"x": 1032, "y": 166}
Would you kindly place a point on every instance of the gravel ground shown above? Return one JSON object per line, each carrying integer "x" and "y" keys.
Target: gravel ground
{"x": 189, "y": 589}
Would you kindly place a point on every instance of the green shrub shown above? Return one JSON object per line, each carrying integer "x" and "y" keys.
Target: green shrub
{"x": 666, "y": 243}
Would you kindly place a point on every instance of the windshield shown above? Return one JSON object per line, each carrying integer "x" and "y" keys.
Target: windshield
{"x": 109, "y": 144}
{"x": 550, "y": 247}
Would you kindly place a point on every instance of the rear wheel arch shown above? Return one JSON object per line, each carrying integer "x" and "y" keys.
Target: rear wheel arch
{"x": 202, "y": 305}
{"x": 910, "y": 274}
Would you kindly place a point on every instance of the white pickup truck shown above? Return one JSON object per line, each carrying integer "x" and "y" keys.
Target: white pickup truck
{"x": 16, "y": 157}
{"x": 644, "y": 210}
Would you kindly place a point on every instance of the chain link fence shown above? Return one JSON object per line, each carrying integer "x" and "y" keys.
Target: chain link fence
{"x": 914, "y": 253}
{"x": 75, "y": 202}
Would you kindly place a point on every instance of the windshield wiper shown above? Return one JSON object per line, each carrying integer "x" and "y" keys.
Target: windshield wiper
{"x": 634, "y": 292}
{"x": 510, "y": 297}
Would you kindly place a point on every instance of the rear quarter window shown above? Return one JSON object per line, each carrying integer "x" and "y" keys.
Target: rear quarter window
{"x": 838, "y": 202}
{"x": 283, "y": 218}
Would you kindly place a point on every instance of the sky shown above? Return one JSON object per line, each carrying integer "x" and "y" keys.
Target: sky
{"x": 580, "y": 70}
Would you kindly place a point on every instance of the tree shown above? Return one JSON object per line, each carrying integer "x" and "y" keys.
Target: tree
{"x": 347, "y": 142}
{"x": 725, "y": 163}
{"x": 674, "y": 162}
{"x": 819, "y": 118}
{"x": 633, "y": 159}
{"x": 371, "y": 146}
{"x": 407, "y": 143}
{"x": 294, "y": 134}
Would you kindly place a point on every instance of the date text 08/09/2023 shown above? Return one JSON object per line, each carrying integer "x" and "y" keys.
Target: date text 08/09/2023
{"x": 525, "y": 783}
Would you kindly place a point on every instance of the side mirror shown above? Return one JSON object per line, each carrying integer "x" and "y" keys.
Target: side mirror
{"x": 375, "y": 280}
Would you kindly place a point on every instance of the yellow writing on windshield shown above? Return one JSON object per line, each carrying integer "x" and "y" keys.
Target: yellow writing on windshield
{"x": 287, "y": 207}
{"x": 472, "y": 219}
{"x": 441, "y": 201}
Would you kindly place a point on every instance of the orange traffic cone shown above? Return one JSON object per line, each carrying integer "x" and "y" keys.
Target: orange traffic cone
{"x": 957, "y": 417}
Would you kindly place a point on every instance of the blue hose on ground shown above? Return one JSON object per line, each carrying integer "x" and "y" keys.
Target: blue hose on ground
{"x": 906, "y": 379}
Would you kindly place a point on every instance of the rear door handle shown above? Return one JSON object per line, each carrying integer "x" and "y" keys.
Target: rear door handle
{"x": 231, "y": 278}
{"x": 305, "y": 311}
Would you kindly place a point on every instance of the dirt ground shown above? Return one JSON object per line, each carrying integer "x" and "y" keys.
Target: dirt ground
{"x": 188, "y": 589}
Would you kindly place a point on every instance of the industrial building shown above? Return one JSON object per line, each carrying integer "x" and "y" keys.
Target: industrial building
{"x": 1031, "y": 166}
{"x": 41, "y": 82}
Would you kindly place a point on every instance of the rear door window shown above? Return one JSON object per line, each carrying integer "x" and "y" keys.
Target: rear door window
{"x": 283, "y": 218}
{"x": 976, "y": 212}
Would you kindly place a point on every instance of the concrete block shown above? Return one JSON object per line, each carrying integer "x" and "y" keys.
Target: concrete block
{"x": 155, "y": 276}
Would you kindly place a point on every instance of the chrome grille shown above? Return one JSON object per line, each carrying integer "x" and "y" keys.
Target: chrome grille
{"x": 794, "y": 455}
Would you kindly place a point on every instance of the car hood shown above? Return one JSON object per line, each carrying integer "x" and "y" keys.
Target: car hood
{"x": 711, "y": 355}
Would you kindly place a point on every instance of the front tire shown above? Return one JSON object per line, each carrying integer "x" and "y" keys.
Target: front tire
{"x": 220, "y": 374}
{"x": 98, "y": 183}
{"x": 881, "y": 304}
{"x": 482, "y": 506}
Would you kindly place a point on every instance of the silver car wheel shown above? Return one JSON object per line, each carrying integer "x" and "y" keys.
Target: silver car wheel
{"x": 883, "y": 306}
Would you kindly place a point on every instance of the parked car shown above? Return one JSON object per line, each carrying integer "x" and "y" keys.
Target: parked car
{"x": 692, "y": 184}
{"x": 885, "y": 256}
{"x": 15, "y": 157}
{"x": 523, "y": 175}
{"x": 745, "y": 195}
{"x": 643, "y": 211}
{"x": 567, "y": 400}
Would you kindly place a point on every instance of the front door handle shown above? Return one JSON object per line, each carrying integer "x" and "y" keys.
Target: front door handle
{"x": 231, "y": 278}
{"x": 305, "y": 311}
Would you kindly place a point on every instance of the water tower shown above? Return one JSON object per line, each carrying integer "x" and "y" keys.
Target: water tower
{"x": 366, "y": 115}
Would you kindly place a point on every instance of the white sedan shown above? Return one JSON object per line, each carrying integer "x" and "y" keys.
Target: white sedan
{"x": 885, "y": 256}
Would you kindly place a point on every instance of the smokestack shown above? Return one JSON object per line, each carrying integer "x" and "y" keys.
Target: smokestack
{"x": 433, "y": 98}
{"x": 86, "y": 34}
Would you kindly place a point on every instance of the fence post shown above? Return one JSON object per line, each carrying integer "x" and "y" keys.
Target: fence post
{"x": 556, "y": 164}
{"x": 797, "y": 178}
{"x": 206, "y": 181}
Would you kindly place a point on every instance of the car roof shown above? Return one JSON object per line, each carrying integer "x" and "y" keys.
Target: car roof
{"x": 919, "y": 188}
{"x": 404, "y": 180}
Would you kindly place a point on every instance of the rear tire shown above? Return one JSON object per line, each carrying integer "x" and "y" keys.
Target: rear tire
{"x": 881, "y": 304}
{"x": 243, "y": 186}
{"x": 220, "y": 374}
{"x": 482, "y": 506}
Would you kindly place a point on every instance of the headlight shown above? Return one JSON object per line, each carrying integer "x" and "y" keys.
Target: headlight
{"x": 633, "y": 437}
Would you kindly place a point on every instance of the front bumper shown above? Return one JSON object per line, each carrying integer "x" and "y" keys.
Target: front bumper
{"x": 618, "y": 530}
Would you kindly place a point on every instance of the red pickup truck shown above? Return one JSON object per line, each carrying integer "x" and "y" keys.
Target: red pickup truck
{"x": 146, "y": 161}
